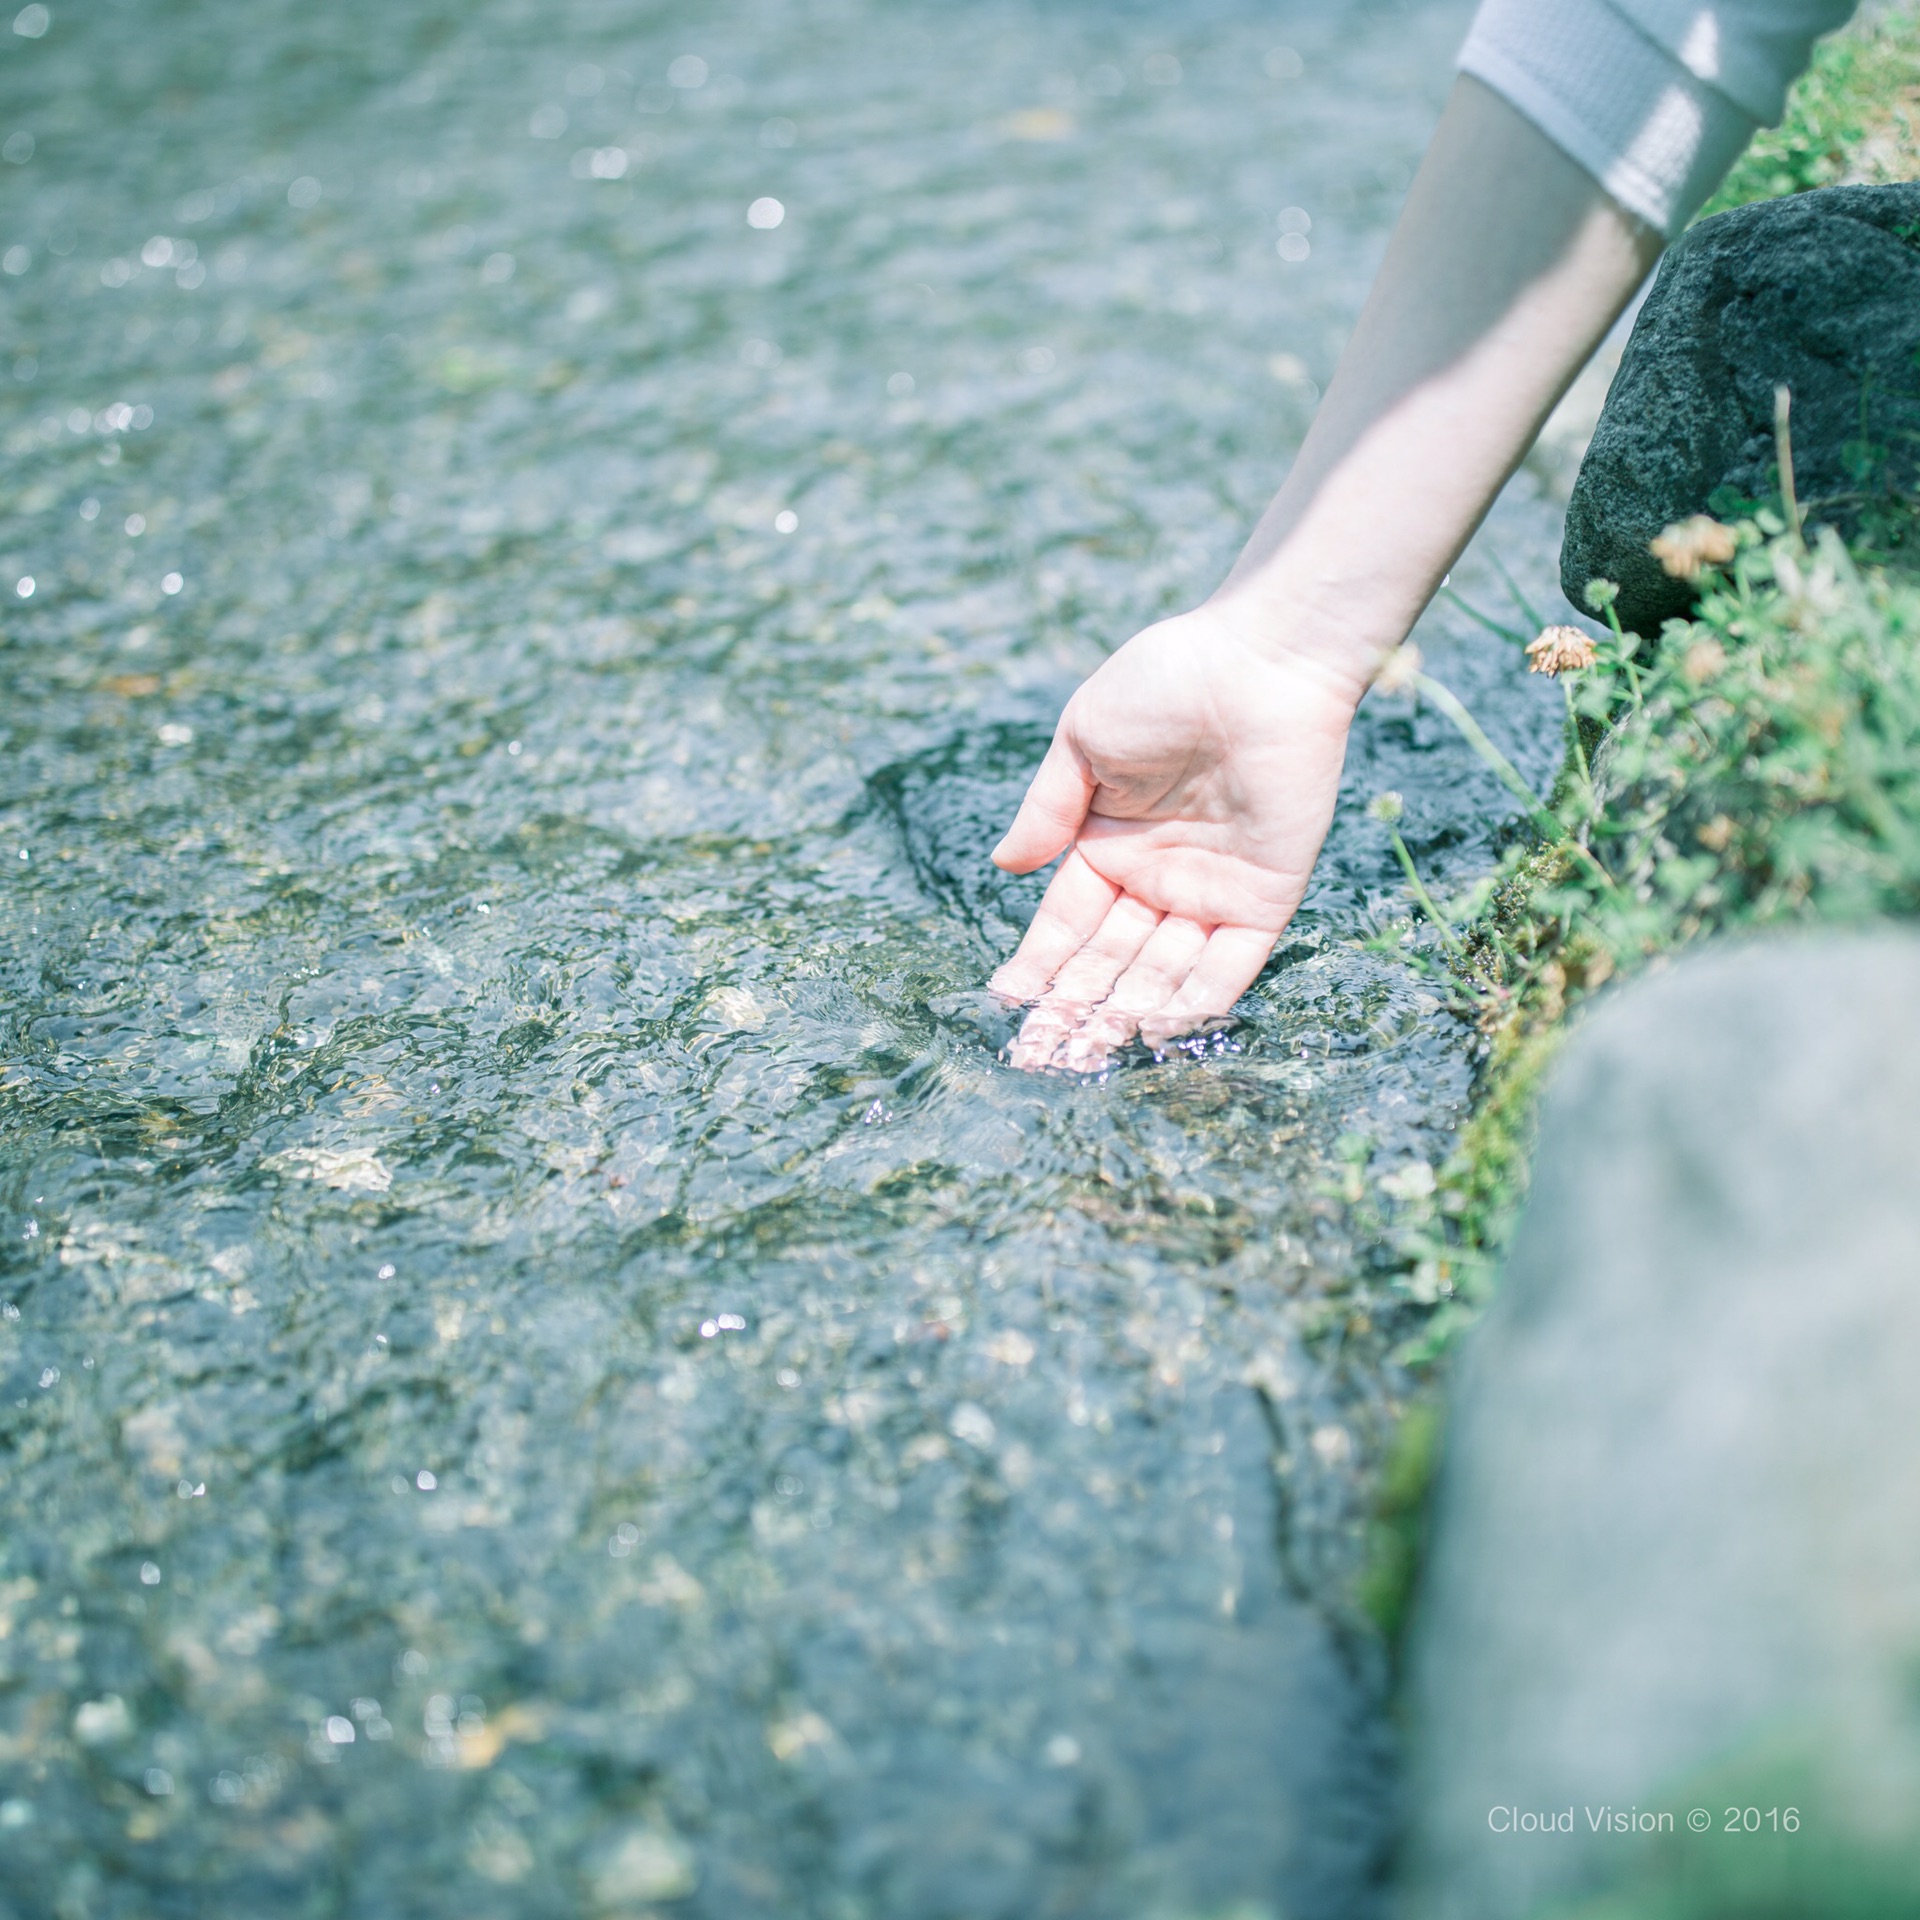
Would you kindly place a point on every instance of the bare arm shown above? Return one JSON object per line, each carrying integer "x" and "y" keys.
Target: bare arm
{"x": 1194, "y": 773}
{"x": 1505, "y": 271}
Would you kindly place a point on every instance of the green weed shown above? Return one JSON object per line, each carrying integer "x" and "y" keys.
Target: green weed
{"x": 1854, "y": 114}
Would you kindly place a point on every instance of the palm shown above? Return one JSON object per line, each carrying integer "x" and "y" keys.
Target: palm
{"x": 1193, "y": 777}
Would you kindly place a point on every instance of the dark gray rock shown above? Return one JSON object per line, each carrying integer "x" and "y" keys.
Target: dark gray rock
{"x": 1820, "y": 292}
{"x": 953, "y": 806}
{"x": 1678, "y": 1524}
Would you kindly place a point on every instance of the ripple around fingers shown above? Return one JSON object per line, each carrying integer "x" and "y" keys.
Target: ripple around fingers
{"x": 521, "y": 1248}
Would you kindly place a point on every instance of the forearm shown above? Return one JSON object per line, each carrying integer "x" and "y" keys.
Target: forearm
{"x": 1507, "y": 267}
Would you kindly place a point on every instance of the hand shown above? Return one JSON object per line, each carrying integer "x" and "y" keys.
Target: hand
{"x": 1193, "y": 776}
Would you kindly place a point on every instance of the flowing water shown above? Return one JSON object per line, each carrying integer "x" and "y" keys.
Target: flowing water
{"x": 548, "y": 1368}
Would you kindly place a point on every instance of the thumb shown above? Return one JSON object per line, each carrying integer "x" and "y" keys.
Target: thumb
{"x": 1051, "y": 814}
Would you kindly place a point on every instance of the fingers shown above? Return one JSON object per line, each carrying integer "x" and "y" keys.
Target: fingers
{"x": 1084, "y": 982}
{"x": 1050, "y": 815}
{"x": 1088, "y": 978}
{"x": 1160, "y": 977}
{"x": 1077, "y": 900}
{"x": 1146, "y": 986}
{"x": 1228, "y": 965}
{"x": 1158, "y": 974}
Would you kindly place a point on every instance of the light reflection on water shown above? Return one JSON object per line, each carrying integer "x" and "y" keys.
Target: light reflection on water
{"x": 548, "y": 1367}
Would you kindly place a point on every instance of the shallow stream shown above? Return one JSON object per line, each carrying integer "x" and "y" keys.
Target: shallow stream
{"x": 548, "y": 1368}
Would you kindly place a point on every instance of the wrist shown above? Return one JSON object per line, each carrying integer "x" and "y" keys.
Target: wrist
{"x": 1307, "y": 632}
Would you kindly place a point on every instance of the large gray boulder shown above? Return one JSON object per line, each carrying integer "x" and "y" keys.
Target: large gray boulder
{"x": 1676, "y": 1558}
{"x": 1819, "y": 292}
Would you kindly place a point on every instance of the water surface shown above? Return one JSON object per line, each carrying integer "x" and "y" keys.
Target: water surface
{"x": 548, "y": 1367}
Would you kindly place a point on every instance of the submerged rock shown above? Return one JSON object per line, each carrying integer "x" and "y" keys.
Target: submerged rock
{"x": 1819, "y": 292}
{"x": 952, "y": 807}
{"x": 1677, "y": 1559}
{"x": 952, "y": 804}
{"x": 1325, "y": 994}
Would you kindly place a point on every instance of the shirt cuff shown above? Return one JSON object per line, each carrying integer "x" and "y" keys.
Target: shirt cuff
{"x": 1655, "y": 136}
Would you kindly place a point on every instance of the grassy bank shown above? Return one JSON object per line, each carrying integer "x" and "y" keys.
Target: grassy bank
{"x": 1544, "y": 938}
{"x": 1755, "y": 767}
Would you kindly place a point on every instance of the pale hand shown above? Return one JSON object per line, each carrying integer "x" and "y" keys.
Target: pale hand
{"x": 1194, "y": 777}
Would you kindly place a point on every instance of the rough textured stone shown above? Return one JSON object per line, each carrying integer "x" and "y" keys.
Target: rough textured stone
{"x": 1678, "y": 1524}
{"x": 1820, "y": 292}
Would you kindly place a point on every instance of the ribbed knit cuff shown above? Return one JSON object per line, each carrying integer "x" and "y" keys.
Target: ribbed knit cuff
{"x": 1655, "y": 136}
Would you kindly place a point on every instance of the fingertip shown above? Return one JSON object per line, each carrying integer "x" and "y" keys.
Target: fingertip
{"x": 1161, "y": 1034}
{"x": 1076, "y": 901}
{"x": 1019, "y": 980}
{"x": 1026, "y": 851}
{"x": 1229, "y": 964}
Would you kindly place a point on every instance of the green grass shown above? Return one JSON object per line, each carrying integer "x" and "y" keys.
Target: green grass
{"x": 1854, "y": 114}
{"x": 1756, "y": 767}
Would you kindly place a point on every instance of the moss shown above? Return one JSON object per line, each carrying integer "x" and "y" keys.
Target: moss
{"x": 1545, "y": 939}
{"x": 1805, "y": 1825}
{"x": 1397, "y": 1540}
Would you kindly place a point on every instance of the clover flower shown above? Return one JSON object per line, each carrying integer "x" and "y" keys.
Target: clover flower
{"x": 1687, "y": 548}
{"x": 1386, "y": 807}
{"x": 1559, "y": 650}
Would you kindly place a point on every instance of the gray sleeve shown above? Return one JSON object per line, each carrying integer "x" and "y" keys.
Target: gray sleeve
{"x": 1655, "y": 98}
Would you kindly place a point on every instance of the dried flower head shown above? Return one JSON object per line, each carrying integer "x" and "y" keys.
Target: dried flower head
{"x": 1716, "y": 834}
{"x": 1704, "y": 659}
{"x": 1386, "y": 807}
{"x": 1691, "y": 546}
{"x": 1601, "y": 594}
{"x": 1560, "y": 650}
{"x": 1401, "y": 670}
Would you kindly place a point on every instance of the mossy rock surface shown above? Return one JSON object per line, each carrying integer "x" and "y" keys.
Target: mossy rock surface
{"x": 1820, "y": 293}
